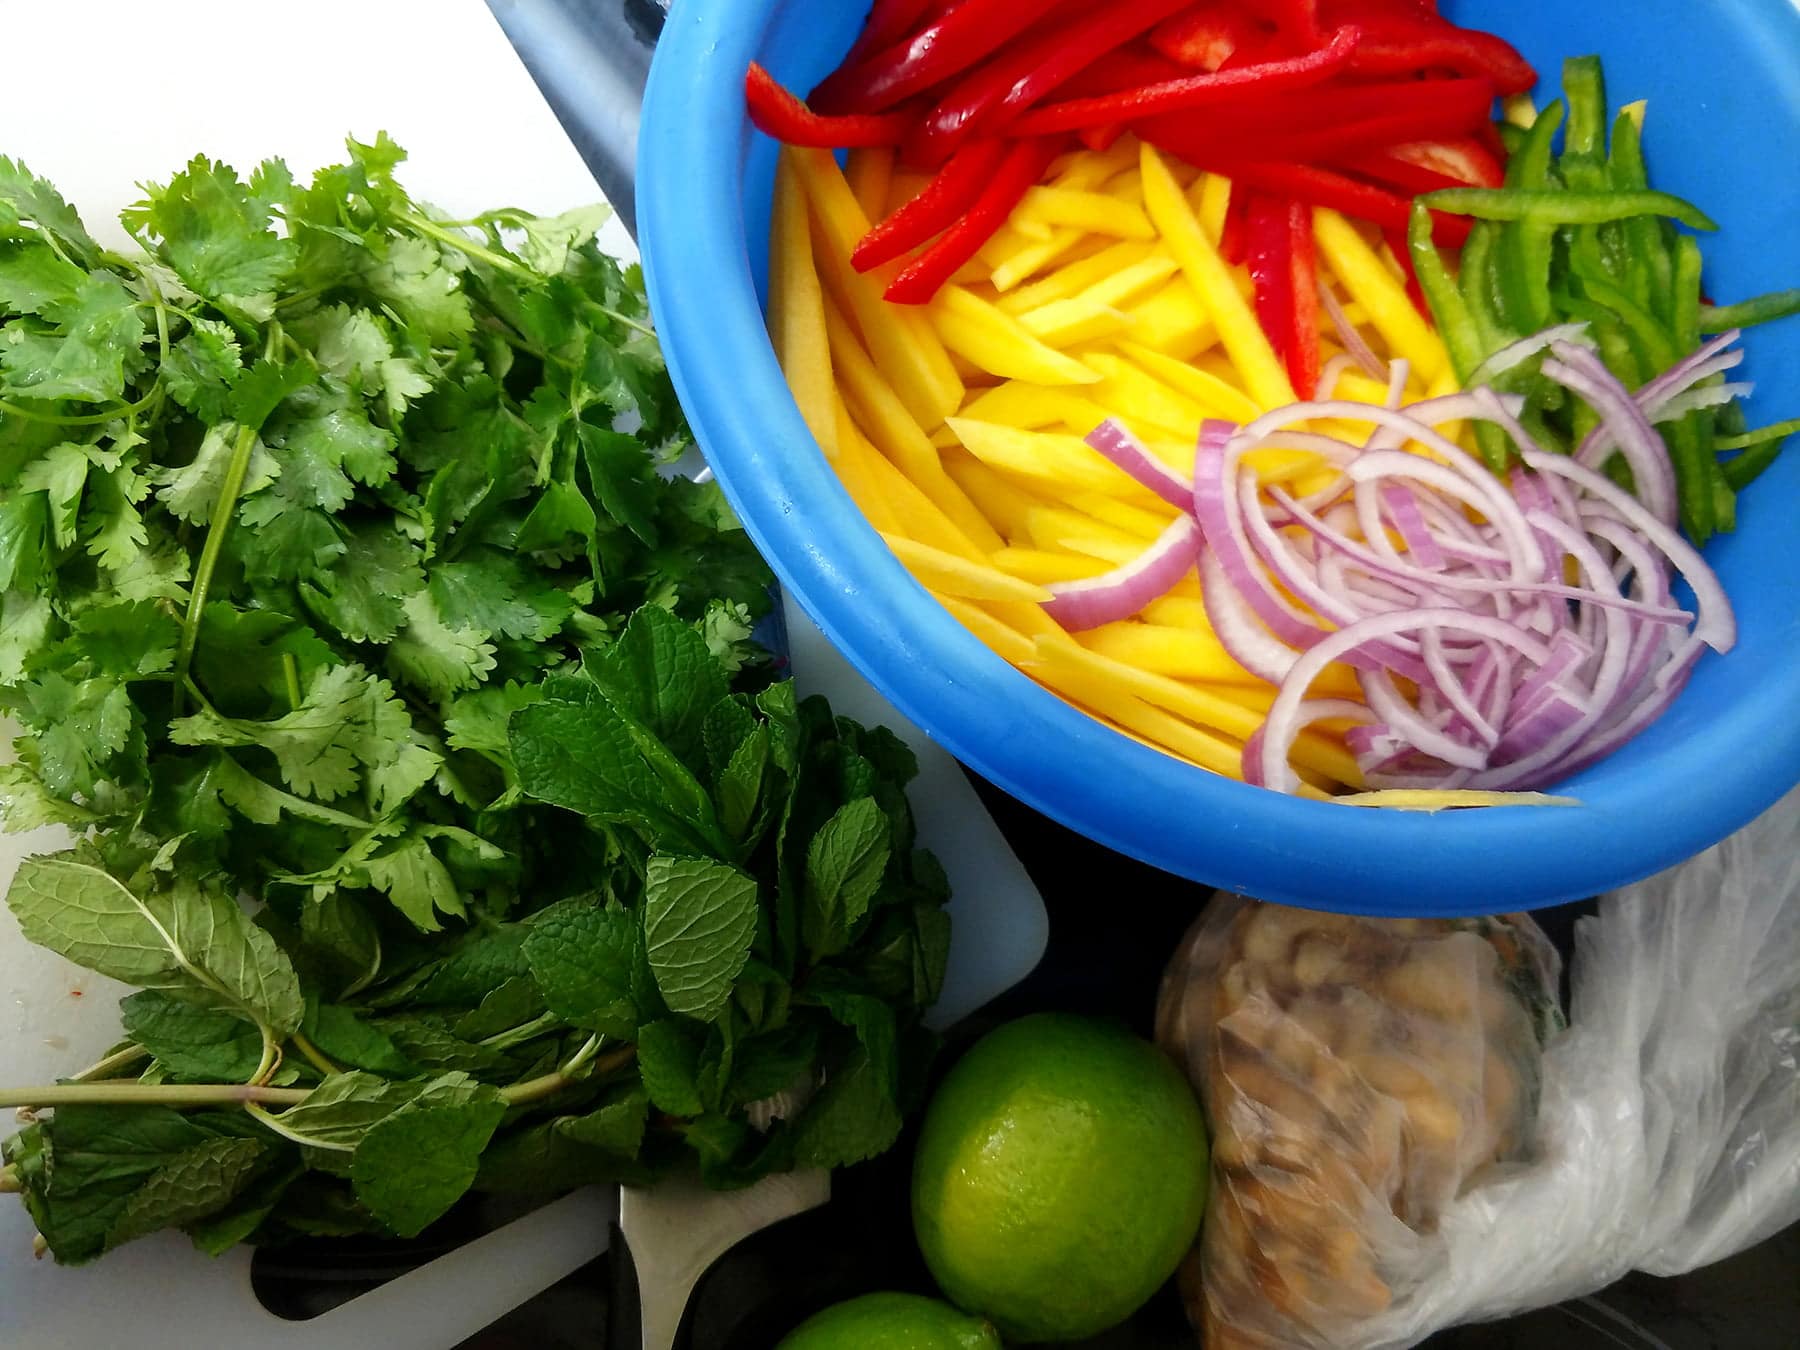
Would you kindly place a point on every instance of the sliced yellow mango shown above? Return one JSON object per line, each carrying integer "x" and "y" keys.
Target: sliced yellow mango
{"x": 797, "y": 309}
{"x": 1391, "y": 313}
{"x": 1045, "y": 567}
{"x": 1214, "y": 395}
{"x": 1006, "y": 642}
{"x": 870, "y": 172}
{"x": 899, "y": 337}
{"x": 1264, "y": 375}
{"x": 1097, "y": 212}
{"x": 998, "y": 343}
{"x": 1172, "y": 320}
{"x": 952, "y": 574}
{"x": 1063, "y": 323}
{"x": 1075, "y": 277}
{"x": 1214, "y": 204}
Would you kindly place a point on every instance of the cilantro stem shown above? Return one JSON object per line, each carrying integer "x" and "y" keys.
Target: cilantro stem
{"x": 315, "y": 1055}
{"x": 536, "y": 1089}
{"x": 290, "y": 676}
{"x": 151, "y": 1094}
{"x": 223, "y": 511}
{"x": 480, "y": 252}
{"x": 112, "y": 1064}
{"x": 83, "y": 419}
{"x": 613, "y": 314}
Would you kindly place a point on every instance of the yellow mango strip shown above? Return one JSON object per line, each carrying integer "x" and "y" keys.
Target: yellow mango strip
{"x": 1076, "y": 277}
{"x": 1097, "y": 212}
{"x": 797, "y": 309}
{"x": 1027, "y": 619}
{"x": 1007, "y": 506}
{"x": 1180, "y": 653}
{"x": 1063, "y": 323}
{"x": 1139, "y": 397}
{"x": 1172, "y": 320}
{"x": 1446, "y": 799}
{"x": 1214, "y": 203}
{"x": 1264, "y": 376}
{"x": 1041, "y": 456}
{"x": 1046, "y": 568}
{"x": 1391, "y": 313}
{"x": 1139, "y": 520}
{"x": 1054, "y": 527}
{"x": 1128, "y": 283}
{"x": 870, "y": 172}
{"x": 900, "y": 338}
{"x": 1028, "y": 262}
{"x": 1008, "y": 644}
{"x": 915, "y": 515}
{"x": 953, "y": 575}
{"x": 1218, "y": 398}
{"x": 1282, "y": 466}
{"x": 1184, "y": 614}
{"x": 852, "y": 460}
{"x": 1028, "y": 406}
{"x": 1032, "y": 228}
{"x": 998, "y": 343}
{"x": 1311, "y": 750}
{"x": 1353, "y": 384}
{"x": 1161, "y": 729}
{"x": 1085, "y": 169}
{"x": 903, "y": 186}
{"x": 879, "y": 411}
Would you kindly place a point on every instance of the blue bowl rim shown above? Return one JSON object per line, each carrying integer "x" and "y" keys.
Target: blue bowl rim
{"x": 691, "y": 153}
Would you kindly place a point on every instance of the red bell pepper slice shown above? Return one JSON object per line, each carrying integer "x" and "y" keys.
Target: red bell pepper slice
{"x": 949, "y": 45}
{"x": 1322, "y": 187}
{"x": 1324, "y": 123}
{"x": 1206, "y": 36}
{"x": 1462, "y": 158}
{"x": 987, "y": 100}
{"x": 889, "y": 21}
{"x": 1129, "y": 67}
{"x": 1232, "y": 243}
{"x": 1393, "y": 46}
{"x": 1383, "y": 167}
{"x": 787, "y": 119}
{"x": 1193, "y": 91}
{"x": 1282, "y": 257}
{"x": 956, "y": 188}
{"x": 1024, "y": 164}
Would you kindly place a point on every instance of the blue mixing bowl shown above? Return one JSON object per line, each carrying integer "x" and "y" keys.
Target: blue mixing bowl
{"x": 1723, "y": 82}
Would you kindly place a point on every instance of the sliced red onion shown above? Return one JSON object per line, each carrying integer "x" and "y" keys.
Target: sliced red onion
{"x": 1424, "y": 567}
{"x": 1518, "y": 353}
{"x": 1122, "y": 592}
{"x": 1126, "y": 452}
{"x": 1581, "y": 372}
{"x": 1353, "y": 343}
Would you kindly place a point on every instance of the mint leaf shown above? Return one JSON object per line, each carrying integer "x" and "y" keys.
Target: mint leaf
{"x": 740, "y": 785}
{"x": 772, "y": 1062}
{"x": 844, "y": 865}
{"x": 582, "y": 956}
{"x": 668, "y": 1057}
{"x": 876, "y": 1030}
{"x": 196, "y": 1183}
{"x": 413, "y": 1166}
{"x": 204, "y": 1045}
{"x": 595, "y": 760}
{"x": 347, "y": 1039}
{"x": 660, "y": 673}
{"x": 699, "y": 918}
{"x": 572, "y": 1150}
{"x": 340, "y": 1112}
{"x": 196, "y": 945}
{"x": 852, "y": 1118}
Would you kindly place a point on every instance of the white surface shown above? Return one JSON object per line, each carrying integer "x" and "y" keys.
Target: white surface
{"x": 241, "y": 82}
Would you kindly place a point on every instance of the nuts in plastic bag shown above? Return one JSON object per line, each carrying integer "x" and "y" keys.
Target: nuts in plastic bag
{"x": 1358, "y": 1075}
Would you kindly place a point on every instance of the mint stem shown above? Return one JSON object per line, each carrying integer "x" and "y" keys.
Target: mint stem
{"x": 147, "y": 1094}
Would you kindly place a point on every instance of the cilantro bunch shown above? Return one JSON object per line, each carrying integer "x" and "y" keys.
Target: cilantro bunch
{"x": 341, "y": 571}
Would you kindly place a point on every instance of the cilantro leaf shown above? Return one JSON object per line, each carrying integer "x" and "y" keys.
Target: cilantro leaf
{"x": 202, "y": 367}
{"x": 216, "y": 237}
{"x": 364, "y": 595}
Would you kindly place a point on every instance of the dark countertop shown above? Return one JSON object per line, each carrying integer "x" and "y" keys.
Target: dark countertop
{"x": 1113, "y": 925}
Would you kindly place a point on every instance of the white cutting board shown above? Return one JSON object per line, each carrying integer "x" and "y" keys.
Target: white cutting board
{"x": 101, "y": 94}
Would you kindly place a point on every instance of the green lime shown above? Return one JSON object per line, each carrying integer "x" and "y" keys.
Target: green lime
{"x": 1060, "y": 1177}
{"x": 891, "y": 1322}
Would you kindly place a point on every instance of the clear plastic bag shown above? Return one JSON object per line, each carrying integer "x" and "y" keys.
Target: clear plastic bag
{"x": 1666, "y": 1133}
{"x": 1357, "y": 1074}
